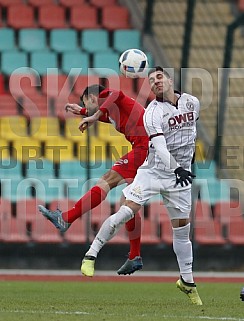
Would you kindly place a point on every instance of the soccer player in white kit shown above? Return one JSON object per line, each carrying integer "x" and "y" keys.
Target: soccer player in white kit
{"x": 170, "y": 122}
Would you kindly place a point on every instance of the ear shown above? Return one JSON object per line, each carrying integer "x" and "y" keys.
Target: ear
{"x": 93, "y": 98}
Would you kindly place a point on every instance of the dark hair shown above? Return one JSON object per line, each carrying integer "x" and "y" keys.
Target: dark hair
{"x": 158, "y": 68}
{"x": 93, "y": 89}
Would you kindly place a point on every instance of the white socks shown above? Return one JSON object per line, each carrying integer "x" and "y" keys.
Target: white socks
{"x": 109, "y": 229}
{"x": 183, "y": 249}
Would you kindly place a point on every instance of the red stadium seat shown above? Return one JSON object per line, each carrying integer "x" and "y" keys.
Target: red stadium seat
{"x": 81, "y": 82}
{"x": 56, "y": 85}
{"x": 51, "y": 16}
{"x": 157, "y": 211}
{"x": 14, "y": 230}
{"x": 45, "y": 232}
{"x": 36, "y": 106}
{"x": 206, "y": 229}
{"x": 37, "y": 3}
{"x": 84, "y": 17}
{"x": 241, "y": 5}
{"x": 20, "y": 16}
{"x": 8, "y": 106}
{"x": 76, "y": 232}
{"x": 8, "y": 3}
{"x": 122, "y": 83}
{"x": 225, "y": 212}
{"x": 71, "y": 3}
{"x": 59, "y": 106}
{"x": 166, "y": 234}
{"x": 115, "y": 17}
{"x": 102, "y": 3}
{"x": 99, "y": 214}
{"x": 2, "y": 89}
{"x": 236, "y": 232}
{"x": 27, "y": 209}
{"x": 208, "y": 232}
{"x": 149, "y": 232}
{"x": 21, "y": 85}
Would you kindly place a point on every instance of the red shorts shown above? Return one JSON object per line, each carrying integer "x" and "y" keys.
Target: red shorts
{"x": 128, "y": 164}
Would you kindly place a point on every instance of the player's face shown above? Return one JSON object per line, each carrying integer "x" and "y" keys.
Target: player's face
{"x": 91, "y": 104}
{"x": 160, "y": 84}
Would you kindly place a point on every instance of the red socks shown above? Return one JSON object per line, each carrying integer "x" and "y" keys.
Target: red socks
{"x": 91, "y": 199}
{"x": 133, "y": 228}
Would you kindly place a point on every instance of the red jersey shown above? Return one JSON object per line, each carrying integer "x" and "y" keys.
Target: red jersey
{"x": 125, "y": 114}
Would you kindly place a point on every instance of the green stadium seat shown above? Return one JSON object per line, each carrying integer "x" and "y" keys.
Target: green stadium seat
{"x": 106, "y": 63}
{"x": 95, "y": 40}
{"x": 72, "y": 169}
{"x": 115, "y": 194}
{"x": 13, "y": 60}
{"x": 10, "y": 168}
{"x": 39, "y": 168}
{"x": 15, "y": 189}
{"x": 7, "y": 40}
{"x": 41, "y": 61}
{"x": 213, "y": 190}
{"x": 75, "y": 62}
{"x": 205, "y": 170}
{"x": 126, "y": 39}
{"x": 62, "y": 40}
{"x": 32, "y": 39}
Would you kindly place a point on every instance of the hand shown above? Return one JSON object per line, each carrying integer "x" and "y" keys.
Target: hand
{"x": 73, "y": 108}
{"x": 86, "y": 122}
{"x": 183, "y": 177}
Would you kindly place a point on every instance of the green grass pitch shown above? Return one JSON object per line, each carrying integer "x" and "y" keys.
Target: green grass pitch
{"x": 108, "y": 301}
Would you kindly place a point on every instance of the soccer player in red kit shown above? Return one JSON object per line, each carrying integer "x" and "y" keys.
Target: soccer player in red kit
{"x": 126, "y": 115}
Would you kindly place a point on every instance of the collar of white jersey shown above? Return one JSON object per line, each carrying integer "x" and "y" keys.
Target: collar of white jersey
{"x": 168, "y": 101}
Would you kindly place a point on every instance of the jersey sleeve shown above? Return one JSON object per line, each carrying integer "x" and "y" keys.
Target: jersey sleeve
{"x": 83, "y": 111}
{"x": 153, "y": 121}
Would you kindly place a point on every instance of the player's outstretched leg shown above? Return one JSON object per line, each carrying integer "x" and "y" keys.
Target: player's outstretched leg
{"x": 87, "y": 266}
{"x": 131, "y": 266}
{"x": 190, "y": 290}
{"x": 55, "y": 217}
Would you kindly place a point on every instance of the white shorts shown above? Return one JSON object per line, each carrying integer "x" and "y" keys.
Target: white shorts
{"x": 149, "y": 183}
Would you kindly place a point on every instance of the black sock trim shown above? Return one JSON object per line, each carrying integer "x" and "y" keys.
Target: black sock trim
{"x": 193, "y": 285}
{"x": 89, "y": 257}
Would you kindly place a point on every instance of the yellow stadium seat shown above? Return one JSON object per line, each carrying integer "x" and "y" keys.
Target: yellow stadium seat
{"x": 97, "y": 150}
{"x": 13, "y": 127}
{"x": 4, "y": 149}
{"x": 108, "y": 133}
{"x": 43, "y": 128}
{"x": 26, "y": 148}
{"x": 58, "y": 149}
{"x": 200, "y": 152}
{"x": 72, "y": 130}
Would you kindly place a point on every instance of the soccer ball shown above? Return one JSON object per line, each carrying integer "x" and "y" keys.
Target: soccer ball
{"x": 133, "y": 63}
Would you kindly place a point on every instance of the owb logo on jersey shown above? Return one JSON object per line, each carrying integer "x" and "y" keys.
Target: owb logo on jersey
{"x": 182, "y": 120}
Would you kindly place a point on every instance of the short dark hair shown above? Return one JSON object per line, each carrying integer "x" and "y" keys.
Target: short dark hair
{"x": 93, "y": 89}
{"x": 158, "y": 68}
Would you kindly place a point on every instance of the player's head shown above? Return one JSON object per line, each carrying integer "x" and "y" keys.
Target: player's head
{"x": 89, "y": 98}
{"x": 160, "y": 81}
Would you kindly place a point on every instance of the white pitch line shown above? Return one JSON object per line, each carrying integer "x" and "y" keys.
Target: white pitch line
{"x": 164, "y": 316}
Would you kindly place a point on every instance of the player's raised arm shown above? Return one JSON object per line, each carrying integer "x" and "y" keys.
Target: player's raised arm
{"x": 89, "y": 121}
{"x": 75, "y": 109}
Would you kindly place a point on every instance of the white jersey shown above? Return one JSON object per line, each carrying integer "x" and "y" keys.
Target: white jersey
{"x": 177, "y": 124}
